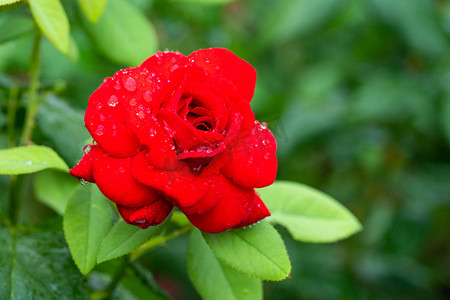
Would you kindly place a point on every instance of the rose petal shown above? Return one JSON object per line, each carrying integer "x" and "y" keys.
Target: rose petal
{"x": 83, "y": 170}
{"x": 259, "y": 211}
{"x": 222, "y": 63}
{"x": 159, "y": 143}
{"x": 208, "y": 202}
{"x": 113, "y": 177}
{"x": 233, "y": 208}
{"x": 145, "y": 216}
{"x": 182, "y": 186}
{"x": 253, "y": 162}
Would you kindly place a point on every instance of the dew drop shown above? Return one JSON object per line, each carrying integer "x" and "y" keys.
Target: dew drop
{"x": 117, "y": 86}
{"x": 28, "y": 162}
{"x": 86, "y": 149}
{"x": 140, "y": 114}
{"x": 152, "y": 132}
{"x": 99, "y": 105}
{"x": 217, "y": 67}
{"x": 82, "y": 182}
{"x": 102, "y": 117}
{"x": 264, "y": 125}
{"x": 130, "y": 84}
{"x": 174, "y": 67}
{"x": 100, "y": 130}
{"x": 147, "y": 96}
{"x": 207, "y": 60}
{"x": 132, "y": 102}
{"x": 113, "y": 101}
{"x": 121, "y": 169}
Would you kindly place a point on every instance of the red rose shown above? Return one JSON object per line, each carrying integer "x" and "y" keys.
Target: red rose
{"x": 179, "y": 131}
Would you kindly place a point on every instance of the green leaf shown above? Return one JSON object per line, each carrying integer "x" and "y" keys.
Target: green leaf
{"x": 124, "y": 34}
{"x": 52, "y": 20}
{"x": 294, "y": 18}
{"x": 14, "y": 27}
{"x": 417, "y": 22}
{"x": 208, "y": 2}
{"x": 93, "y": 9}
{"x": 7, "y": 2}
{"x": 257, "y": 251}
{"x": 212, "y": 277}
{"x": 87, "y": 220}
{"x": 37, "y": 266}
{"x": 64, "y": 125}
{"x": 29, "y": 159}
{"x": 309, "y": 215}
{"x": 124, "y": 238}
{"x": 54, "y": 189}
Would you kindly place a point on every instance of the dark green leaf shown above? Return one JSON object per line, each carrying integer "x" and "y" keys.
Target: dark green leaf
{"x": 15, "y": 27}
{"x": 416, "y": 21}
{"x": 87, "y": 220}
{"x": 257, "y": 251}
{"x": 29, "y": 159}
{"x": 124, "y": 34}
{"x": 212, "y": 277}
{"x": 308, "y": 214}
{"x": 64, "y": 125}
{"x": 37, "y": 266}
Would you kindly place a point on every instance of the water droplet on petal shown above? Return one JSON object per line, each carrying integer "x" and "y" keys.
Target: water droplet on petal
{"x": 113, "y": 101}
{"x": 99, "y": 105}
{"x": 132, "y": 102}
{"x": 263, "y": 125}
{"x": 130, "y": 84}
{"x": 140, "y": 114}
{"x": 121, "y": 169}
{"x": 152, "y": 132}
{"x": 117, "y": 86}
{"x": 102, "y": 117}
{"x": 148, "y": 96}
{"x": 100, "y": 130}
{"x": 86, "y": 149}
{"x": 174, "y": 67}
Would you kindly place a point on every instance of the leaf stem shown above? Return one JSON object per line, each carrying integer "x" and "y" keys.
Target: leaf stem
{"x": 120, "y": 272}
{"x": 33, "y": 103}
{"x": 158, "y": 241}
{"x": 146, "y": 277}
{"x": 11, "y": 115}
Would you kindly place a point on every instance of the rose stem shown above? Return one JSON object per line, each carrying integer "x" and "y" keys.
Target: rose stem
{"x": 158, "y": 241}
{"x": 33, "y": 104}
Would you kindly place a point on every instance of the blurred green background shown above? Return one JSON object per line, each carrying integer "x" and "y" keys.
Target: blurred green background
{"x": 356, "y": 92}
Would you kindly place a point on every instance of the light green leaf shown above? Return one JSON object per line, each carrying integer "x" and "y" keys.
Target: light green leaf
{"x": 54, "y": 189}
{"x": 309, "y": 215}
{"x": 257, "y": 251}
{"x": 64, "y": 125}
{"x": 211, "y": 276}
{"x": 38, "y": 266}
{"x": 52, "y": 20}
{"x": 93, "y": 9}
{"x": 7, "y": 2}
{"x": 124, "y": 238}
{"x": 124, "y": 34}
{"x": 29, "y": 159}
{"x": 87, "y": 220}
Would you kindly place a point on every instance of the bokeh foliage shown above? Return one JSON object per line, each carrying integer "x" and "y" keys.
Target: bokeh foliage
{"x": 357, "y": 93}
